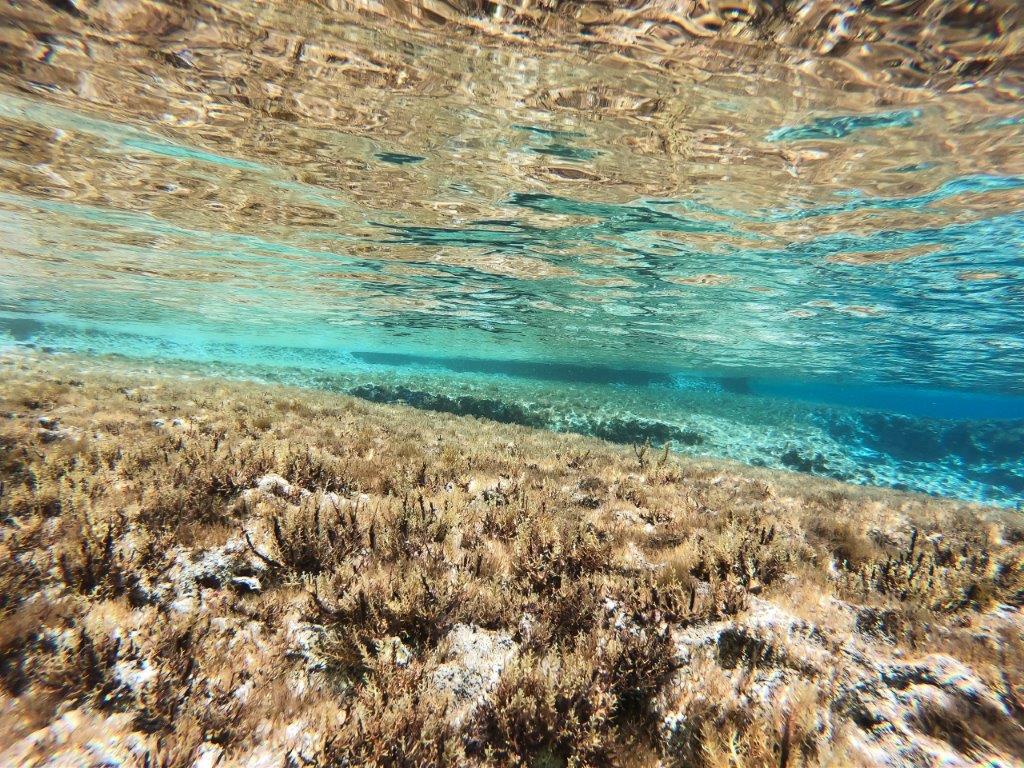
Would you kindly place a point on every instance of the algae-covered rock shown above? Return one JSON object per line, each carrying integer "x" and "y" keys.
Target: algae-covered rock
{"x": 473, "y": 662}
{"x": 753, "y": 666}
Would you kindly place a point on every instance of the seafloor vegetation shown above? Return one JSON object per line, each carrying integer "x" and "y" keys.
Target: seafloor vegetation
{"x": 204, "y": 573}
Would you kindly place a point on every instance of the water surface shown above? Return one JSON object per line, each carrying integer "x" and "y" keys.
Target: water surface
{"x": 794, "y": 240}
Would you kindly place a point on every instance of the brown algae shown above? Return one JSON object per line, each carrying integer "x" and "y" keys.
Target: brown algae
{"x": 203, "y": 572}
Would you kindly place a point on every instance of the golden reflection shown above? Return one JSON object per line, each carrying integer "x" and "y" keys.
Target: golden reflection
{"x": 975, "y": 276}
{"x": 868, "y": 258}
{"x": 701, "y": 280}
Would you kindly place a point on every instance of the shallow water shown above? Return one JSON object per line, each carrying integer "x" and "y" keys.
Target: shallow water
{"x": 793, "y": 240}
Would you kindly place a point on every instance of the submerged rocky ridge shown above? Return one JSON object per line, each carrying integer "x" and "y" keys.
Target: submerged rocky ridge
{"x": 954, "y": 443}
{"x": 860, "y": 446}
{"x": 208, "y": 573}
{"x": 617, "y": 429}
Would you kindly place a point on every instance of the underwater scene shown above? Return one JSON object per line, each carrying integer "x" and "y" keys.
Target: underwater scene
{"x": 511, "y": 383}
{"x": 787, "y": 234}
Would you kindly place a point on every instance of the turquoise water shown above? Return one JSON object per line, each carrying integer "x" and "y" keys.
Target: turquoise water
{"x": 757, "y": 265}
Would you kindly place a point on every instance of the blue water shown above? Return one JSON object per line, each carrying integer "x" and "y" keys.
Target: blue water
{"x": 792, "y": 274}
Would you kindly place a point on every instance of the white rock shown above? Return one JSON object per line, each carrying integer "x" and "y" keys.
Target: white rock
{"x": 78, "y": 739}
{"x": 243, "y": 691}
{"x": 274, "y": 485}
{"x": 393, "y": 649}
{"x": 246, "y": 584}
{"x": 331, "y": 502}
{"x": 134, "y": 676}
{"x": 209, "y": 756}
{"x": 184, "y": 605}
{"x": 473, "y": 665}
{"x": 264, "y": 757}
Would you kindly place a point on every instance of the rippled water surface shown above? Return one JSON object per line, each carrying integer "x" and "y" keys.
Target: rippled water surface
{"x": 787, "y": 233}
